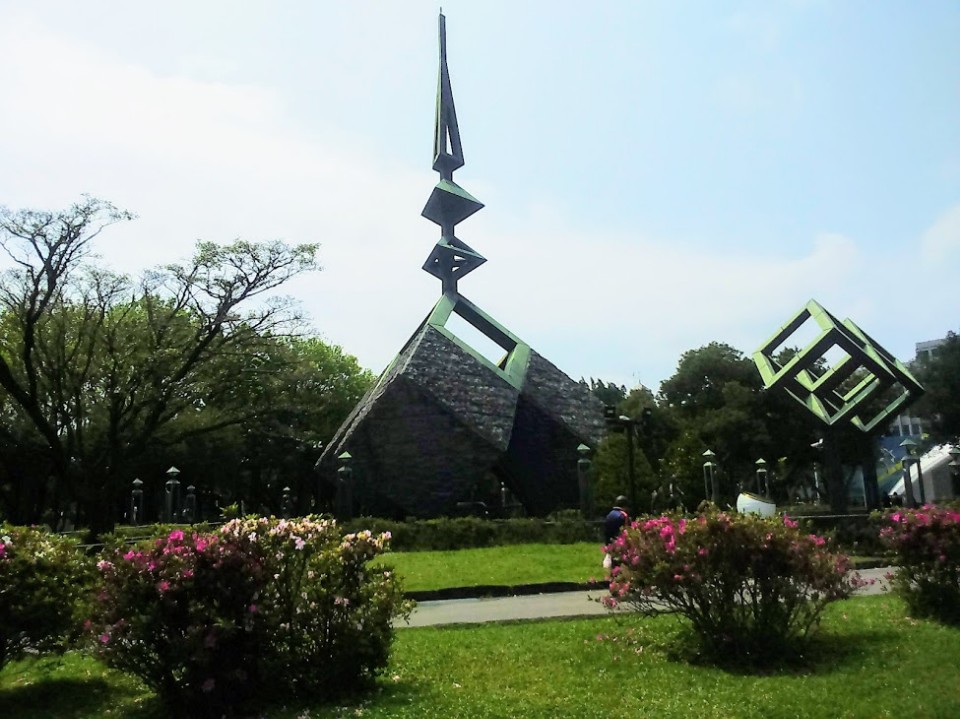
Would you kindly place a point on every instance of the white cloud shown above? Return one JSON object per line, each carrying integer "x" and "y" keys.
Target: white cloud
{"x": 941, "y": 243}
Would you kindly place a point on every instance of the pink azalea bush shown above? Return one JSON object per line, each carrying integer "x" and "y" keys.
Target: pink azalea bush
{"x": 927, "y": 546}
{"x": 750, "y": 587}
{"x": 44, "y": 582}
{"x": 261, "y": 608}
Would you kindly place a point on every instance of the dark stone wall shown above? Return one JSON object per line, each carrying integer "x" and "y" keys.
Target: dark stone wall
{"x": 567, "y": 401}
{"x": 440, "y": 421}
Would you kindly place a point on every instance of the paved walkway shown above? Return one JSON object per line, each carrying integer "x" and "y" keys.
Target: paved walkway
{"x": 544, "y": 606}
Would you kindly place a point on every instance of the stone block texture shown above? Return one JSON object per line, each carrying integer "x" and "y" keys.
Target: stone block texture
{"x": 439, "y": 422}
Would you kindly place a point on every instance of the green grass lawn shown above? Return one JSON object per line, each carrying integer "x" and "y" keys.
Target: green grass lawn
{"x": 509, "y": 566}
{"x": 871, "y": 661}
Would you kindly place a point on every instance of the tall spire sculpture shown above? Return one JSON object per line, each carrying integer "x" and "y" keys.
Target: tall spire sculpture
{"x": 445, "y": 425}
{"x": 449, "y": 204}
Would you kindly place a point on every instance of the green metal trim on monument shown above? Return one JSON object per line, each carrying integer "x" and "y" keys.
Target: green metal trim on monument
{"x": 820, "y": 392}
{"x": 513, "y": 366}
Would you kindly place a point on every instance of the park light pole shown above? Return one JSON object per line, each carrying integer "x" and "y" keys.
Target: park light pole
{"x": 136, "y": 502}
{"x": 173, "y": 494}
{"x": 345, "y": 487}
{"x": 628, "y": 425}
{"x": 955, "y": 471}
{"x": 710, "y": 468}
{"x": 189, "y": 513}
{"x": 763, "y": 480}
{"x": 910, "y": 445}
{"x": 583, "y": 481}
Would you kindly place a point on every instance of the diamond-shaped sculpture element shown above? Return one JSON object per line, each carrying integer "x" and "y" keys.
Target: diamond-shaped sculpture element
{"x": 826, "y": 391}
{"x": 450, "y": 204}
{"x": 444, "y": 420}
{"x": 452, "y": 258}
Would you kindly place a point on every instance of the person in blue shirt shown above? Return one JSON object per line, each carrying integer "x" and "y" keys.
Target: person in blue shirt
{"x": 616, "y": 520}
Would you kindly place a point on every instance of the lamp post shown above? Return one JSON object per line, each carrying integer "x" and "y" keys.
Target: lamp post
{"x": 190, "y": 505}
{"x": 909, "y": 445}
{"x": 345, "y": 486}
{"x": 583, "y": 481}
{"x": 172, "y": 498}
{"x": 763, "y": 480}
{"x": 286, "y": 503}
{"x": 710, "y": 486}
{"x": 628, "y": 426}
{"x": 955, "y": 471}
{"x": 136, "y": 502}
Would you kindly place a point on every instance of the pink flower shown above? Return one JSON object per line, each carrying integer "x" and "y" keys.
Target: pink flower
{"x": 787, "y": 522}
{"x": 104, "y": 638}
{"x": 299, "y": 543}
{"x": 3, "y": 549}
{"x": 129, "y": 555}
{"x": 176, "y": 536}
{"x": 252, "y": 609}
{"x": 163, "y": 586}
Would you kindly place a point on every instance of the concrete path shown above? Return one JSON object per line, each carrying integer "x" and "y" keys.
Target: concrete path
{"x": 544, "y": 606}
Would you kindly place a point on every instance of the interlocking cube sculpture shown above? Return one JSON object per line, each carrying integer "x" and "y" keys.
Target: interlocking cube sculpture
{"x": 820, "y": 392}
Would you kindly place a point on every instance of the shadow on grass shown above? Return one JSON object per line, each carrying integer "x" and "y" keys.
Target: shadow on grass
{"x": 386, "y": 695}
{"x": 74, "y": 698}
{"x": 823, "y": 653}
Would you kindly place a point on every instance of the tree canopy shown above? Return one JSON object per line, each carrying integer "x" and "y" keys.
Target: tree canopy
{"x": 101, "y": 373}
{"x": 940, "y": 376}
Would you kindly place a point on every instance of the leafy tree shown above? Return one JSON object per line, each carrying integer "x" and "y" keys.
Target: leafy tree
{"x": 610, "y": 393}
{"x": 97, "y": 367}
{"x": 940, "y": 377}
{"x": 716, "y": 400}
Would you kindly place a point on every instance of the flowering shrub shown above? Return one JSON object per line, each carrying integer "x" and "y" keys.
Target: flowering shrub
{"x": 261, "y": 607}
{"x": 927, "y": 545}
{"x": 44, "y": 579}
{"x": 328, "y": 615}
{"x": 750, "y": 586}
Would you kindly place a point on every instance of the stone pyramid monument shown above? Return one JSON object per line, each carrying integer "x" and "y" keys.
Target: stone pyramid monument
{"x": 444, "y": 420}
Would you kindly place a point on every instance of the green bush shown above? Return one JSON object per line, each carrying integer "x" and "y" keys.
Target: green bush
{"x": 471, "y": 532}
{"x": 751, "y": 588}
{"x": 927, "y": 546}
{"x": 261, "y": 608}
{"x": 44, "y": 582}
{"x": 855, "y": 533}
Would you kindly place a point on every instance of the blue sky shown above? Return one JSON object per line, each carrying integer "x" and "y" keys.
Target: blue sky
{"x": 657, "y": 175}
